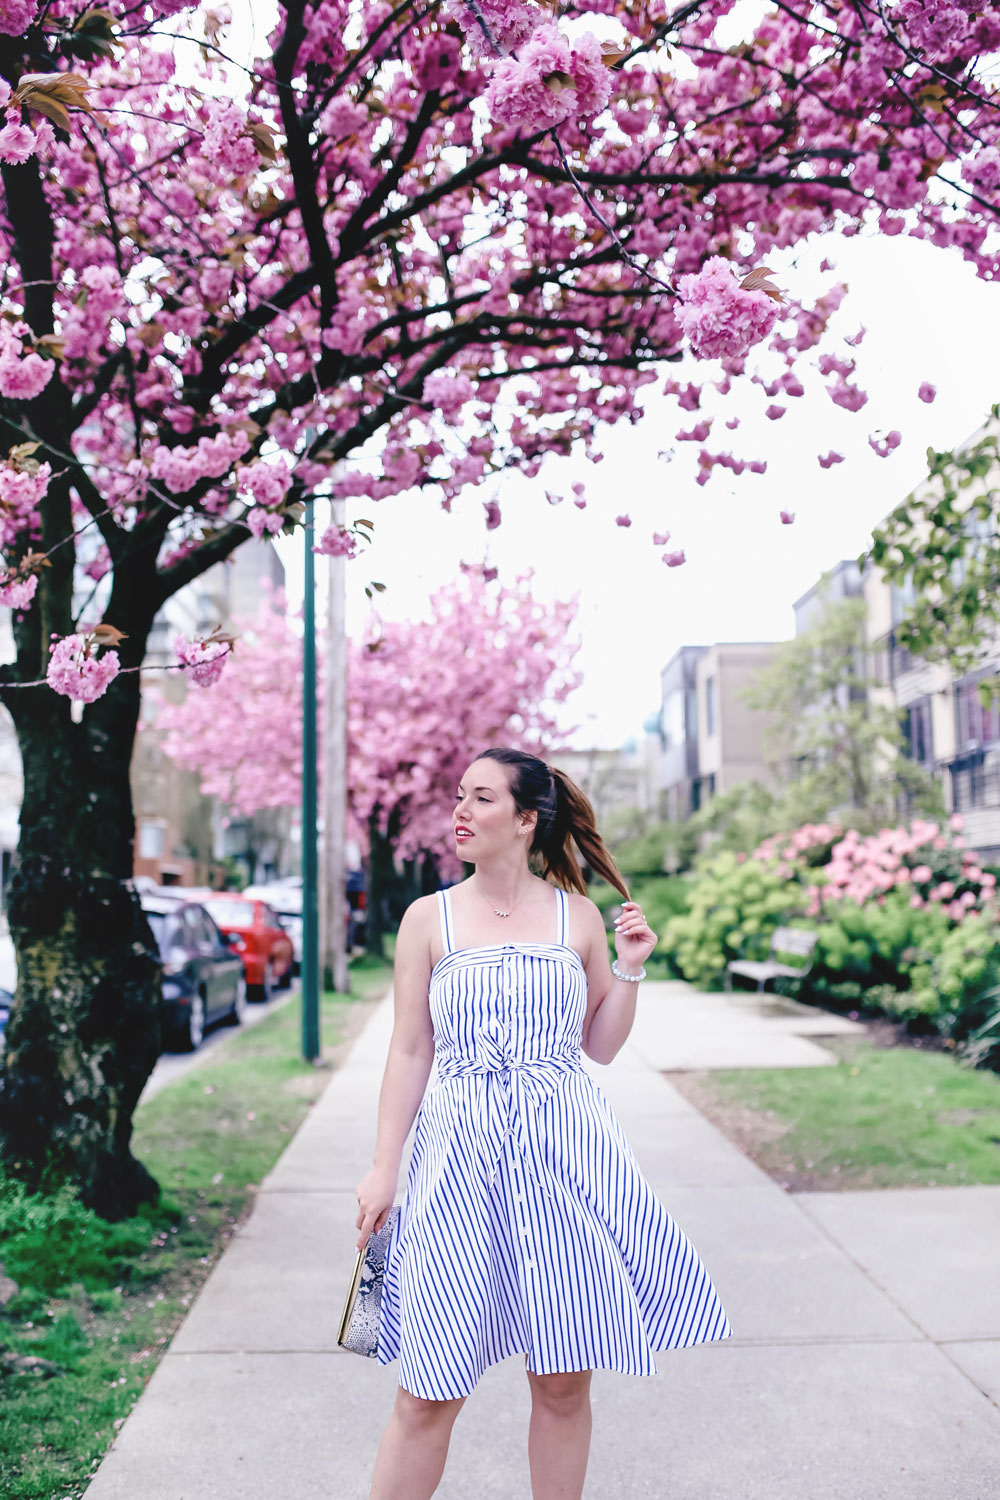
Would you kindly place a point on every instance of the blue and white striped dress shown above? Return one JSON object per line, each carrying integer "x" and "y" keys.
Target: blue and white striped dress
{"x": 527, "y": 1226}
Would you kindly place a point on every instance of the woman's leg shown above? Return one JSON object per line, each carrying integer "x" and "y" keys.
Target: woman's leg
{"x": 559, "y": 1434}
{"x": 413, "y": 1449}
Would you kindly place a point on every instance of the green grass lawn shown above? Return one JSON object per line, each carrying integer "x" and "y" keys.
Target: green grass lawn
{"x": 100, "y": 1302}
{"x": 882, "y": 1117}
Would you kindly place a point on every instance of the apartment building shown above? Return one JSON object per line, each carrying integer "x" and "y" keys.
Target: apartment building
{"x": 711, "y": 739}
{"x": 945, "y": 726}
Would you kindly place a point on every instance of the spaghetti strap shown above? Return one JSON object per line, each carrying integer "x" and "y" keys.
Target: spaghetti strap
{"x": 447, "y": 925}
{"x": 562, "y": 925}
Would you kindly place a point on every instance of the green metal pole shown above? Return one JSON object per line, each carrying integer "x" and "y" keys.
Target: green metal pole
{"x": 310, "y": 868}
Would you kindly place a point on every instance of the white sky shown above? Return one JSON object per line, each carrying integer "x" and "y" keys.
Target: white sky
{"x": 927, "y": 318}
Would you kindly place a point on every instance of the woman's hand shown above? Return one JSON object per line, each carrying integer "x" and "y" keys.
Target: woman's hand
{"x": 634, "y": 938}
{"x": 375, "y": 1193}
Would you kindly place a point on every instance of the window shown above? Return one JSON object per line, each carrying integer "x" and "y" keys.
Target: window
{"x": 152, "y": 840}
{"x": 673, "y": 718}
{"x": 975, "y": 725}
{"x": 918, "y": 742}
{"x": 710, "y": 705}
{"x": 902, "y": 598}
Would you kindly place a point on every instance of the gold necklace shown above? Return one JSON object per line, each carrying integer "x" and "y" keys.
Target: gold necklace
{"x": 496, "y": 910}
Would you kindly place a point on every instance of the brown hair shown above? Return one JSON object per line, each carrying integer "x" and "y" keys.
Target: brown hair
{"x": 565, "y": 817}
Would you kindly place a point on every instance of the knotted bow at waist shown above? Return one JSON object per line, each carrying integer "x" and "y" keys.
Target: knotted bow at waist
{"x": 510, "y": 1087}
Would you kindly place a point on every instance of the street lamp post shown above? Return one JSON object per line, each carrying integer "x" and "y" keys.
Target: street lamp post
{"x": 310, "y": 903}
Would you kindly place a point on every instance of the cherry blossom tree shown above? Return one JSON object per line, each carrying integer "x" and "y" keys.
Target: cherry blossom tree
{"x": 410, "y": 247}
{"x": 489, "y": 665}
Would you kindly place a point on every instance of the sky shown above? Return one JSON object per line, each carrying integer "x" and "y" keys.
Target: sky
{"x": 927, "y": 318}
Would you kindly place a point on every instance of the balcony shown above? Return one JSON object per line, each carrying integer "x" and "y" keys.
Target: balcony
{"x": 975, "y": 782}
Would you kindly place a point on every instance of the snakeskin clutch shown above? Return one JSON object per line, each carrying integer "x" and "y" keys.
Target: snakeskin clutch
{"x": 360, "y": 1322}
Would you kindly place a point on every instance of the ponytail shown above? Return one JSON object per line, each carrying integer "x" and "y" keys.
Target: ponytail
{"x": 575, "y": 823}
{"x": 565, "y": 818}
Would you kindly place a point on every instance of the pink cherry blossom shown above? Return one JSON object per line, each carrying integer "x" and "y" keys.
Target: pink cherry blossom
{"x": 77, "y": 672}
{"x": 718, "y": 317}
{"x": 550, "y": 80}
{"x": 927, "y": 392}
{"x": 661, "y": 538}
{"x": 17, "y": 143}
{"x": 19, "y": 592}
{"x": 850, "y": 397}
{"x": 204, "y": 660}
{"x": 774, "y": 411}
{"x": 674, "y": 559}
{"x": 337, "y": 541}
{"x": 883, "y": 446}
{"x": 22, "y": 376}
{"x": 494, "y": 27}
{"x": 17, "y": 15}
{"x": 623, "y": 520}
{"x": 244, "y": 737}
{"x": 827, "y": 460}
{"x": 439, "y": 62}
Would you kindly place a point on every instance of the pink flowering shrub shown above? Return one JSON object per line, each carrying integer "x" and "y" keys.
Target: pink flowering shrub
{"x": 919, "y": 860}
{"x": 76, "y": 671}
{"x": 720, "y": 318}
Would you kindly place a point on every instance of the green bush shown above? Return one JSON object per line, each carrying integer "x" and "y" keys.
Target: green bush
{"x": 733, "y": 909}
{"x": 49, "y": 1243}
{"x": 866, "y": 951}
{"x": 951, "y": 987}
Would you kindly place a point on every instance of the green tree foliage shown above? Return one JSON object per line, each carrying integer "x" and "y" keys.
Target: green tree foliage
{"x": 942, "y": 544}
{"x": 834, "y": 748}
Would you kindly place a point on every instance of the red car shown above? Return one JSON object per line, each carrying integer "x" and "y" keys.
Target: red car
{"x": 259, "y": 939}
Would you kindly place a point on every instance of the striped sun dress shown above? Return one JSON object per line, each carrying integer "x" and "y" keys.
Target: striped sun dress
{"x": 526, "y": 1226}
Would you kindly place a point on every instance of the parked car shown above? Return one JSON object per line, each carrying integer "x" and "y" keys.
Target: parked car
{"x": 6, "y": 1001}
{"x": 203, "y": 978}
{"x": 258, "y": 936}
{"x": 357, "y": 900}
{"x": 285, "y": 898}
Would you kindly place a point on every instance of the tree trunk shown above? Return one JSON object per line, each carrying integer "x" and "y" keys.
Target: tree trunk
{"x": 382, "y": 879}
{"x": 84, "y": 1032}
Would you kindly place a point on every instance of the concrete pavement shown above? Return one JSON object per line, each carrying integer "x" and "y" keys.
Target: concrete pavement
{"x": 866, "y": 1363}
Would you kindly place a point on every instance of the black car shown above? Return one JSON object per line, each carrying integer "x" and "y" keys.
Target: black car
{"x": 202, "y": 975}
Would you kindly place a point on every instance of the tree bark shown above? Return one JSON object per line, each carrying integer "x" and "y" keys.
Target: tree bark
{"x": 84, "y": 1032}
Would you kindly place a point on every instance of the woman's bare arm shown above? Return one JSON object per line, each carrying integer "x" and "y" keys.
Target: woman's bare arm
{"x": 407, "y": 1068}
{"x": 611, "y": 1002}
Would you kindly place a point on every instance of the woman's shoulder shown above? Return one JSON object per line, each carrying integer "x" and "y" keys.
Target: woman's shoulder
{"x": 582, "y": 909}
{"x": 419, "y": 915}
{"x": 422, "y": 907}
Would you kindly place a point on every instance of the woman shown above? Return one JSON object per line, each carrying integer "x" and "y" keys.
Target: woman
{"x": 526, "y": 1226}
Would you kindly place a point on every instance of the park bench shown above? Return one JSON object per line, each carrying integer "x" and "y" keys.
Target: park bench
{"x": 785, "y": 940}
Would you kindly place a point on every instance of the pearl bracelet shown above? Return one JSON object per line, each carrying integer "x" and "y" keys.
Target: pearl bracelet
{"x": 628, "y": 978}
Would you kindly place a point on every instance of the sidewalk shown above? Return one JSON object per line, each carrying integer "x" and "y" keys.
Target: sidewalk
{"x": 866, "y": 1364}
